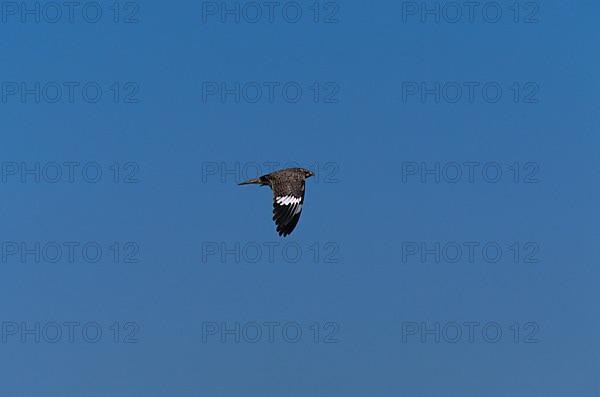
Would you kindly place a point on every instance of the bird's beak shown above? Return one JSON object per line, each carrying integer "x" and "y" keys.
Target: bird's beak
{"x": 310, "y": 173}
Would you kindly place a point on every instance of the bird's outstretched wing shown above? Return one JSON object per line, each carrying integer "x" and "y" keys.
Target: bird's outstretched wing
{"x": 288, "y": 199}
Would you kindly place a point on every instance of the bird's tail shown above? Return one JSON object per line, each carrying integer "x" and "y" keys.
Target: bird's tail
{"x": 258, "y": 181}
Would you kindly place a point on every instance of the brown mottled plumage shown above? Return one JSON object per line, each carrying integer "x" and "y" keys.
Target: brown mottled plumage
{"x": 288, "y": 196}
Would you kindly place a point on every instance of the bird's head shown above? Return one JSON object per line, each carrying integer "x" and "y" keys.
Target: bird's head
{"x": 307, "y": 173}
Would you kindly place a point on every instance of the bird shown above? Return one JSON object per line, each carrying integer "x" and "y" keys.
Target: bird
{"x": 288, "y": 195}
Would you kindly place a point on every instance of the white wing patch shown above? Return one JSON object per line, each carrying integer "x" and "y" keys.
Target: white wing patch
{"x": 287, "y": 200}
{"x": 286, "y": 211}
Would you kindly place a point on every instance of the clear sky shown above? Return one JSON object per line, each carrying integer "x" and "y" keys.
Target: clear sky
{"x": 447, "y": 247}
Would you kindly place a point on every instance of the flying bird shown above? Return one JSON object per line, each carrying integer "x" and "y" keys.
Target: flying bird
{"x": 288, "y": 195}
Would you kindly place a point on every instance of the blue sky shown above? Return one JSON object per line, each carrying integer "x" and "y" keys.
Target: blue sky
{"x": 132, "y": 263}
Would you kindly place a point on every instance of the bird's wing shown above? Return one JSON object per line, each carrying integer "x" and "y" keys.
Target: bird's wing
{"x": 288, "y": 199}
